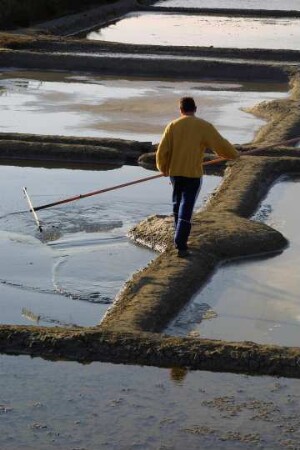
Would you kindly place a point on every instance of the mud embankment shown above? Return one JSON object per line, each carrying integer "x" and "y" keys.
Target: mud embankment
{"x": 143, "y": 66}
{"x": 74, "y": 45}
{"x": 220, "y": 232}
{"x": 15, "y": 146}
{"x": 283, "y": 116}
{"x": 149, "y": 349}
{"x": 227, "y": 12}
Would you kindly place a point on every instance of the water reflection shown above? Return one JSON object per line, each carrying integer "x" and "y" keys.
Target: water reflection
{"x": 99, "y": 406}
{"x": 238, "y": 4}
{"x": 76, "y": 105}
{"x": 71, "y": 272}
{"x": 209, "y": 31}
{"x": 256, "y": 300}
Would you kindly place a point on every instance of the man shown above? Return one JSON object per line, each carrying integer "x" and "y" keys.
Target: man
{"x": 180, "y": 156}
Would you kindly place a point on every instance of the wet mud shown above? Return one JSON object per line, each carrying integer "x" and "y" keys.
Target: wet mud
{"x": 88, "y": 345}
{"x": 52, "y": 44}
{"x": 144, "y": 66}
{"x": 233, "y": 12}
{"x": 222, "y": 231}
{"x": 18, "y": 146}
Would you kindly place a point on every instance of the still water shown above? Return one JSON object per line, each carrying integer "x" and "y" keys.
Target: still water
{"x": 256, "y": 300}
{"x": 64, "y": 405}
{"x": 293, "y": 5}
{"x": 76, "y": 105}
{"x": 70, "y": 274}
{"x": 202, "y": 31}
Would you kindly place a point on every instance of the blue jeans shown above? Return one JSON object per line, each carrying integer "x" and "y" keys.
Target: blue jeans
{"x": 185, "y": 193}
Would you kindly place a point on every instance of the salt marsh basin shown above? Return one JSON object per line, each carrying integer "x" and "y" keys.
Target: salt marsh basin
{"x": 254, "y": 300}
{"x": 69, "y": 274}
{"x": 99, "y": 406}
{"x": 289, "y": 5}
{"x": 202, "y": 31}
{"x": 77, "y": 105}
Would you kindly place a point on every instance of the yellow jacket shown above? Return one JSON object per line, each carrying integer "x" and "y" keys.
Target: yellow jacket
{"x": 181, "y": 150}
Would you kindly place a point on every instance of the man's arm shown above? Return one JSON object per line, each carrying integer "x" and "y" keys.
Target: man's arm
{"x": 163, "y": 153}
{"x": 221, "y": 146}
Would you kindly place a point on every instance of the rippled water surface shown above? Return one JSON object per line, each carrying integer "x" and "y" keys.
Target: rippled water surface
{"x": 256, "y": 301}
{"x": 57, "y": 103}
{"x": 70, "y": 273}
{"x": 239, "y": 4}
{"x": 194, "y": 30}
{"x": 64, "y": 405}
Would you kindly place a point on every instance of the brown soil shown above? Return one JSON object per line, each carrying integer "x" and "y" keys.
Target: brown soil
{"x": 150, "y": 349}
{"x": 17, "y": 146}
{"x": 283, "y": 116}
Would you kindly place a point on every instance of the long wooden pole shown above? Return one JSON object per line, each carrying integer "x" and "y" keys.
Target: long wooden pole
{"x": 141, "y": 180}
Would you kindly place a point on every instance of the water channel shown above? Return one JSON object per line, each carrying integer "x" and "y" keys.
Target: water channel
{"x": 292, "y": 5}
{"x": 84, "y": 105}
{"x": 200, "y": 30}
{"x": 254, "y": 300}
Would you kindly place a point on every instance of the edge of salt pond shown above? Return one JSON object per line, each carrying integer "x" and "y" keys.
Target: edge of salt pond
{"x": 121, "y": 337}
{"x": 150, "y": 350}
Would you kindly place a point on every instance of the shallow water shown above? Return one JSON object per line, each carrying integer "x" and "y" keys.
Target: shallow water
{"x": 191, "y": 30}
{"x": 65, "y": 405}
{"x": 256, "y": 300}
{"x": 293, "y": 5}
{"x": 58, "y": 103}
{"x": 70, "y": 273}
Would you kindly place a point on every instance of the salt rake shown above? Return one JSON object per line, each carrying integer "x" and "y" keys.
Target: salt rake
{"x": 79, "y": 197}
{"x": 37, "y": 221}
{"x": 131, "y": 183}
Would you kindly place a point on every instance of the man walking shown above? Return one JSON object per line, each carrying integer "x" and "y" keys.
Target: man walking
{"x": 180, "y": 156}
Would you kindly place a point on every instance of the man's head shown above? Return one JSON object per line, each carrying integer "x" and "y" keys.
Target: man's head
{"x": 187, "y": 106}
